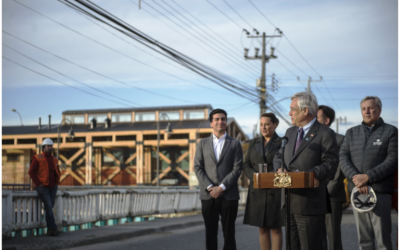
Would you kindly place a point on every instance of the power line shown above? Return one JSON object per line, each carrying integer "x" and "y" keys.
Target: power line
{"x": 364, "y": 76}
{"x": 188, "y": 62}
{"x": 215, "y": 33}
{"x": 201, "y": 40}
{"x": 358, "y": 99}
{"x": 262, "y": 14}
{"x": 79, "y": 11}
{"x": 210, "y": 36}
{"x": 116, "y": 52}
{"x": 292, "y": 62}
{"x": 224, "y": 14}
{"x": 301, "y": 57}
{"x": 238, "y": 14}
{"x": 69, "y": 77}
{"x": 240, "y": 107}
{"x": 64, "y": 83}
{"x": 141, "y": 35}
{"x": 218, "y": 51}
{"x": 80, "y": 66}
{"x": 182, "y": 68}
{"x": 254, "y": 29}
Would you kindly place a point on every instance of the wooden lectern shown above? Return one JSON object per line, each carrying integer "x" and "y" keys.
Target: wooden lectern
{"x": 285, "y": 180}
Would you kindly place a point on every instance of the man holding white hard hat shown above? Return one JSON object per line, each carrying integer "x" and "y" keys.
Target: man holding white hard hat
{"x": 368, "y": 158}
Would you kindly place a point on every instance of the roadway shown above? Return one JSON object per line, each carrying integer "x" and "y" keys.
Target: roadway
{"x": 193, "y": 238}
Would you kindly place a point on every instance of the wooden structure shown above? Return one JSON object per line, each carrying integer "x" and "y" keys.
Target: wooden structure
{"x": 122, "y": 152}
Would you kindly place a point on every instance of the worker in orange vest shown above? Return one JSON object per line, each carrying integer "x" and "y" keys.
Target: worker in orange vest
{"x": 45, "y": 174}
{"x": 395, "y": 200}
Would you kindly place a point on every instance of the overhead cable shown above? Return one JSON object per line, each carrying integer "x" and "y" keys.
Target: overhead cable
{"x": 89, "y": 93}
{"x": 224, "y": 51}
{"x": 87, "y": 85}
{"x": 186, "y": 61}
{"x": 238, "y": 14}
{"x": 224, "y": 14}
{"x": 300, "y": 56}
{"x": 118, "y": 53}
{"x": 220, "y": 49}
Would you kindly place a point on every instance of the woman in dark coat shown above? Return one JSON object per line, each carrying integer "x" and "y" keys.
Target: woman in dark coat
{"x": 263, "y": 206}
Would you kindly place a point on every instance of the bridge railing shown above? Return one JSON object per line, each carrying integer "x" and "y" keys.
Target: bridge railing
{"x": 24, "y": 210}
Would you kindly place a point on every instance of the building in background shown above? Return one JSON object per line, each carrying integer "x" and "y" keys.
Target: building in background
{"x": 115, "y": 146}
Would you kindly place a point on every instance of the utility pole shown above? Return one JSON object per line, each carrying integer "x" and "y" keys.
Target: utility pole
{"x": 309, "y": 82}
{"x": 264, "y": 59}
{"x": 340, "y": 120}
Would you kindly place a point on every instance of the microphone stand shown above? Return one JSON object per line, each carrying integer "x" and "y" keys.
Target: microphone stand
{"x": 287, "y": 203}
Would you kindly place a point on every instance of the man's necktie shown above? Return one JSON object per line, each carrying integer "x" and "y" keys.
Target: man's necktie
{"x": 301, "y": 135}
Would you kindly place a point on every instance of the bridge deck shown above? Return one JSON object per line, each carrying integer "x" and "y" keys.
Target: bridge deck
{"x": 130, "y": 230}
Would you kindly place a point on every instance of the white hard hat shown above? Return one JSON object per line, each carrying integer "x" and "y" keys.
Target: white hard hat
{"x": 363, "y": 202}
{"x": 47, "y": 141}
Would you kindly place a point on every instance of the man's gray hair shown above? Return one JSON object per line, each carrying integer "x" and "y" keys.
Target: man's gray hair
{"x": 307, "y": 100}
{"x": 377, "y": 100}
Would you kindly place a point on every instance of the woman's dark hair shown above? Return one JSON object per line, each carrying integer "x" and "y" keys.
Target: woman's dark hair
{"x": 272, "y": 116}
{"x": 327, "y": 112}
{"x": 216, "y": 111}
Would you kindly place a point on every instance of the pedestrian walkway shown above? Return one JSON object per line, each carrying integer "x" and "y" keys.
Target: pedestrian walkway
{"x": 110, "y": 236}
{"x": 103, "y": 234}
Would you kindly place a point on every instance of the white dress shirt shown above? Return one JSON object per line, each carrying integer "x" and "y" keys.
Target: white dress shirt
{"x": 218, "y": 145}
{"x": 307, "y": 127}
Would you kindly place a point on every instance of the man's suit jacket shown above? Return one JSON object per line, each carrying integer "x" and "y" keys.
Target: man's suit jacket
{"x": 318, "y": 152}
{"x": 335, "y": 185}
{"x": 226, "y": 171}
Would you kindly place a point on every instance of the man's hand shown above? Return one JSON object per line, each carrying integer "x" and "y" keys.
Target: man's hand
{"x": 216, "y": 192}
{"x": 360, "y": 180}
{"x": 33, "y": 186}
{"x": 280, "y": 170}
{"x": 363, "y": 190}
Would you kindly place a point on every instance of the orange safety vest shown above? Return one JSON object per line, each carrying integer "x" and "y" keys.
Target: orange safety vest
{"x": 43, "y": 170}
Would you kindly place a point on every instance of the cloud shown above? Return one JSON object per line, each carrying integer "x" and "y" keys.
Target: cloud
{"x": 353, "y": 46}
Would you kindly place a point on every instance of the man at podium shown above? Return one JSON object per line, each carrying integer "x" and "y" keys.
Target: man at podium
{"x": 311, "y": 147}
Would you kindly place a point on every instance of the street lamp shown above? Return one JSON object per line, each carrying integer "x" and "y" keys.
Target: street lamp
{"x": 168, "y": 130}
{"x": 14, "y": 110}
{"x": 71, "y": 134}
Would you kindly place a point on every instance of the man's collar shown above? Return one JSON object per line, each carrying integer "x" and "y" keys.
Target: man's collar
{"x": 216, "y": 138}
{"x": 376, "y": 124}
{"x": 308, "y": 125}
{"x": 368, "y": 127}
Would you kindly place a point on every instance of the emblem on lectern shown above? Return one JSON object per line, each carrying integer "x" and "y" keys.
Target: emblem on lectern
{"x": 282, "y": 180}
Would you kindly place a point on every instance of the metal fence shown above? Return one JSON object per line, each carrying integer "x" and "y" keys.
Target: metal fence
{"x": 23, "y": 210}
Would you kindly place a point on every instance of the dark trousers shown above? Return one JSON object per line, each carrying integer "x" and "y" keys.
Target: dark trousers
{"x": 395, "y": 205}
{"x": 306, "y": 231}
{"x": 211, "y": 210}
{"x": 332, "y": 225}
{"x": 48, "y": 197}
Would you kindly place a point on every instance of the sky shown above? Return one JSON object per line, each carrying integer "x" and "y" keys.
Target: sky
{"x": 352, "y": 45}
